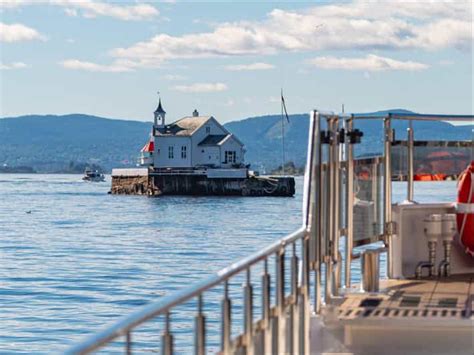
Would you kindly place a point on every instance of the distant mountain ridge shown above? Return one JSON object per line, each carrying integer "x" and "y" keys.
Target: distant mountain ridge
{"x": 50, "y": 142}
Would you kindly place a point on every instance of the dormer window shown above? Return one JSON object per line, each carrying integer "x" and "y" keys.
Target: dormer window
{"x": 208, "y": 130}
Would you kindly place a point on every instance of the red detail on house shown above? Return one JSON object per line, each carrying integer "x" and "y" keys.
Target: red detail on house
{"x": 149, "y": 147}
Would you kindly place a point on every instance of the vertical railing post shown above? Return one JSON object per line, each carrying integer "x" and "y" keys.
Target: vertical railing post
{"x": 167, "y": 337}
{"x": 200, "y": 330}
{"x": 128, "y": 343}
{"x": 312, "y": 186}
{"x": 248, "y": 315}
{"x": 303, "y": 337}
{"x": 388, "y": 230}
{"x": 280, "y": 344}
{"x": 313, "y": 202}
{"x": 330, "y": 212}
{"x": 226, "y": 321}
{"x": 294, "y": 311}
{"x": 266, "y": 309}
{"x": 322, "y": 233}
{"x": 410, "y": 168}
{"x": 335, "y": 146}
{"x": 349, "y": 202}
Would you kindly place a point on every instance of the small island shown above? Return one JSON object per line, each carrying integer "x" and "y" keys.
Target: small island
{"x": 195, "y": 155}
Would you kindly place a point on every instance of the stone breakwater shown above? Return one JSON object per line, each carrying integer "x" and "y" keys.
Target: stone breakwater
{"x": 151, "y": 184}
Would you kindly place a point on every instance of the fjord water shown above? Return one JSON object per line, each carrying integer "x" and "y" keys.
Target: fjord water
{"x": 73, "y": 258}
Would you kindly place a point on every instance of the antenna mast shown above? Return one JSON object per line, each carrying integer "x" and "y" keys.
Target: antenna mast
{"x": 282, "y": 136}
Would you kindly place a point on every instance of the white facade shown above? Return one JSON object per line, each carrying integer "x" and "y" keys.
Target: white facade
{"x": 172, "y": 152}
{"x": 196, "y": 141}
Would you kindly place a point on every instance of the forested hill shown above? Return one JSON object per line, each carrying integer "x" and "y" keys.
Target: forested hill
{"x": 50, "y": 143}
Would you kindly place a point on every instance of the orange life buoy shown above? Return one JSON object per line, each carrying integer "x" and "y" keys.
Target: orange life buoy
{"x": 465, "y": 209}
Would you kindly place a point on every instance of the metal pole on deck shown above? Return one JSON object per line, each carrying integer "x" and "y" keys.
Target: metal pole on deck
{"x": 314, "y": 202}
{"x": 410, "y": 168}
{"x": 349, "y": 202}
{"x": 388, "y": 230}
{"x": 330, "y": 187}
{"x": 336, "y": 206}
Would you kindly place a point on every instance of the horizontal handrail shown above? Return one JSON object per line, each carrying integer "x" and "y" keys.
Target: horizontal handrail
{"x": 163, "y": 305}
{"x": 415, "y": 117}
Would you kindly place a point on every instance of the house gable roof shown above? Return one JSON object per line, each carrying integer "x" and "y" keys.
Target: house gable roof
{"x": 230, "y": 136}
{"x": 185, "y": 126}
{"x": 213, "y": 139}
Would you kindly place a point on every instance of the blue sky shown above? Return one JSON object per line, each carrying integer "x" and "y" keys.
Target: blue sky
{"x": 230, "y": 60}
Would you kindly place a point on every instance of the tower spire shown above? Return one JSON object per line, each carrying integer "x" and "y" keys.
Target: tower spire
{"x": 159, "y": 113}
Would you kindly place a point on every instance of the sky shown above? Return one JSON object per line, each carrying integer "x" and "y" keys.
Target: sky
{"x": 231, "y": 59}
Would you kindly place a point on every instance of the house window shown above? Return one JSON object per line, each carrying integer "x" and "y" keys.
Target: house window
{"x": 208, "y": 129}
{"x": 183, "y": 152}
{"x": 170, "y": 152}
{"x": 158, "y": 152}
{"x": 230, "y": 156}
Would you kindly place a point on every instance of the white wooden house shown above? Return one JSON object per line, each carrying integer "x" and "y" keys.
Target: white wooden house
{"x": 192, "y": 142}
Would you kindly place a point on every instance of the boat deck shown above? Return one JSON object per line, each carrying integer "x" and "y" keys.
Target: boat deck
{"x": 451, "y": 297}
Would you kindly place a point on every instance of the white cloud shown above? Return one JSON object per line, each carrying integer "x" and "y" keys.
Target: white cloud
{"x": 91, "y": 8}
{"x": 249, "y": 67}
{"x": 70, "y": 12}
{"x": 14, "y": 65}
{"x": 446, "y": 62}
{"x": 117, "y": 66}
{"x": 17, "y": 32}
{"x": 174, "y": 77}
{"x": 10, "y": 4}
{"x": 201, "y": 87}
{"x": 93, "y": 67}
{"x": 368, "y": 63}
{"x": 356, "y": 26}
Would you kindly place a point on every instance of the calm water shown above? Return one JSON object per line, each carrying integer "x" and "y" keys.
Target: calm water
{"x": 73, "y": 258}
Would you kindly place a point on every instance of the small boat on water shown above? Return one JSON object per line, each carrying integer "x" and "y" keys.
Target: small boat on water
{"x": 93, "y": 176}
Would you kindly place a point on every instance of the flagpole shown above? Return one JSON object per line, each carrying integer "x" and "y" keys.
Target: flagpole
{"x": 282, "y": 136}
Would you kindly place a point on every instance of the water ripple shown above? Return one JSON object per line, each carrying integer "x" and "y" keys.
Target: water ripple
{"x": 83, "y": 258}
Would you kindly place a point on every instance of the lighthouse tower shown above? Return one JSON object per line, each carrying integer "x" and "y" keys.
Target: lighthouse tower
{"x": 160, "y": 114}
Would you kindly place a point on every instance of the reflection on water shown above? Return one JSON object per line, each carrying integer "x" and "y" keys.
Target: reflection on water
{"x": 83, "y": 258}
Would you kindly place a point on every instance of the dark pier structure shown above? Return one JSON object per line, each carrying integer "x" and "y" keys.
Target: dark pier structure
{"x": 198, "y": 183}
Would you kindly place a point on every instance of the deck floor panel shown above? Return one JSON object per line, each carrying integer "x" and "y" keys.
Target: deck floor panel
{"x": 424, "y": 298}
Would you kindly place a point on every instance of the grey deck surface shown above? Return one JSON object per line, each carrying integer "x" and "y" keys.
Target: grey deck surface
{"x": 426, "y": 298}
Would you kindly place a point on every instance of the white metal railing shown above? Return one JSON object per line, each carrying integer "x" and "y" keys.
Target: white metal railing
{"x": 283, "y": 326}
